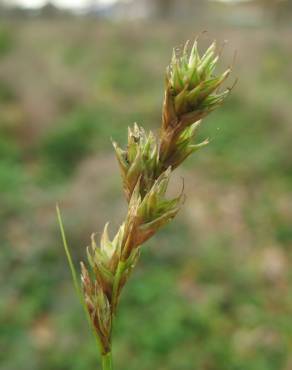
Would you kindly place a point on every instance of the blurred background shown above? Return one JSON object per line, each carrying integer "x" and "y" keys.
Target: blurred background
{"x": 213, "y": 289}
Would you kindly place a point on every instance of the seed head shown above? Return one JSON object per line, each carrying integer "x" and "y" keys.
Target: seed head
{"x": 138, "y": 161}
{"x": 192, "y": 91}
{"x": 190, "y": 81}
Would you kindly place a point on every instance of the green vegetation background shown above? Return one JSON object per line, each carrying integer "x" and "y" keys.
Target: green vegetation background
{"x": 212, "y": 290}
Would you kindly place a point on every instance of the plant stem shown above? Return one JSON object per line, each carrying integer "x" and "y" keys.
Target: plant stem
{"x": 107, "y": 362}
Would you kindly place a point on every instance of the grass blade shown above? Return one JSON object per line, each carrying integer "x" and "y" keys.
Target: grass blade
{"x": 74, "y": 274}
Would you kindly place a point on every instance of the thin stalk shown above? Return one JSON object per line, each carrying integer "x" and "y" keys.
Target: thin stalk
{"x": 107, "y": 362}
{"x": 74, "y": 276}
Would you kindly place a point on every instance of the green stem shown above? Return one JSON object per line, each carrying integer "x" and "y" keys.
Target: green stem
{"x": 107, "y": 362}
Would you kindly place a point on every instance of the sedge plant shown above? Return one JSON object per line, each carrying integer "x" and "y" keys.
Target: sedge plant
{"x": 192, "y": 91}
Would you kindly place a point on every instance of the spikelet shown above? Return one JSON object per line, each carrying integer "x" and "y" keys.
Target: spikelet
{"x": 192, "y": 92}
